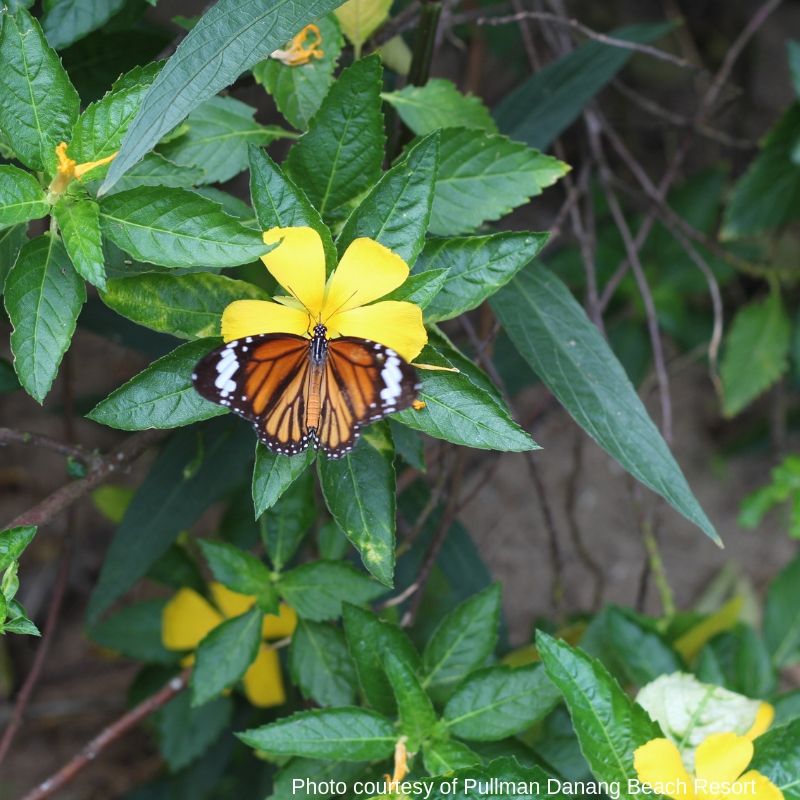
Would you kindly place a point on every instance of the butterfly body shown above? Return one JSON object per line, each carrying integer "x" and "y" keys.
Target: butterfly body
{"x": 299, "y": 392}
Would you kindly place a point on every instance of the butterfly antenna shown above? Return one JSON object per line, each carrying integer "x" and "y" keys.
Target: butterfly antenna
{"x": 307, "y": 309}
{"x": 343, "y": 303}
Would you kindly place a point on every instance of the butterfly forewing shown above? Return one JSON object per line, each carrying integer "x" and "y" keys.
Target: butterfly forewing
{"x": 295, "y": 399}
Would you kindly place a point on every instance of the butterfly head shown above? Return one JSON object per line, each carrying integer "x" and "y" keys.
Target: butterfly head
{"x": 320, "y": 331}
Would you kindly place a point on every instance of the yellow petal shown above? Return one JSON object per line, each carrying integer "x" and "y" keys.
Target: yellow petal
{"x": 658, "y": 764}
{"x": 298, "y": 264}
{"x": 367, "y": 271}
{"x": 764, "y": 717}
{"x": 755, "y": 786}
{"x": 723, "y": 757}
{"x": 186, "y": 619}
{"x": 231, "y": 604}
{"x": 277, "y": 626}
{"x": 252, "y": 317}
{"x": 393, "y": 323}
{"x": 263, "y": 682}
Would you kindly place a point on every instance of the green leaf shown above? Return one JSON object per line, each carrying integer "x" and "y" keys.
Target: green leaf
{"x": 135, "y": 632}
{"x": 188, "y": 306}
{"x": 155, "y": 170}
{"x": 768, "y": 194}
{"x": 483, "y": 177}
{"x": 225, "y": 654}
{"x": 177, "y": 228}
{"x": 609, "y": 725}
{"x": 293, "y": 515}
{"x": 12, "y": 239}
{"x": 462, "y": 641}
{"x": 477, "y": 266}
{"x": 458, "y": 411}
{"x": 756, "y": 352}
{"x": 240, "y": 571}
{"x": 66, "y": 21}
{"x": 229, "y": 38}
{"x": 439, "y": 104}
{"x": 481, "y": 783}
{"x": 314, "y": 770}
{"x": 359, "y": 490}
{"x": 21, "y": 196}
{"x": 79, "y": 223}
{"x": 342, "y": 734}
{"x": 408, "y": 445}
{"x": 278, "y": 203}
{"x": 299, "y": 91}
{"x": 20, "y": 625}
{"x": 185, "y": 733}
{"x": 442, "y": 756}
{"x": 13, "y": 542}
{"x": 43, "y": 297}
{"x": 369, "y": 639}
{"x": 218, "y": 135}
{"x": 782, "y": 615}
{"x": 341, "y": 154}
{"x": 498, "y": 702}
{"x": 777, "y": 755}
{"x": 185, "y": 479}
{"x": 316, "y": 590}
{"x": 40, "y": 105}
{"x": 320, "y": 664}
{"x": 547, "y": 103}
{"x": 417, "y": 716}
{"x": 397, "y": 210}
{"x": 360, "y": 19}
{"x": 420, "y": 289}
{"x": 787, "y": 707}
{"x": 8, "y": 378}
{"x": 273, "y": 474}
{"x": 553, "y": 334}
{"x": 160, "y": 396}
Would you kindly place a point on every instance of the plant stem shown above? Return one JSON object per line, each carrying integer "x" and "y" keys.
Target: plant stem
{"x": 657, "y": 569}
{"x": 424, "y": 43}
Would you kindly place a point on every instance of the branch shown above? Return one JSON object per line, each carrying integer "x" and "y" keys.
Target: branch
{"x": 108, "y": 736}
{"x": 10, "y": 436}
{"x": 104, "y": 468}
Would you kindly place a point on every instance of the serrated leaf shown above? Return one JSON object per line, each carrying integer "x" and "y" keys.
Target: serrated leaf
{"x": 414, "y": 708}
{"x": 185, "y": 479}
{"x": 345, "y": 734}
{"x": 225, "y": 654}
{"x": 21, "y": 196}
{"x": 439, "y": 104}
{"x": 483, "y": 177}
{"x": 420, "y": 289}
{"x": 768, "y": 194}
{"x": 185, "y": 733}
{"x": 340, "y": 155}
{"x": 299, "y": 768}
{"x": 240, "y": 571}
{"x": 20, "y": 625}
{"x": 477, "y": 267}
{"x": 279, "y": 203}
{"x": 283, "y": 529}
{"x": 12, "y": 240}
{"x": 66, "y": 21}
{"x": 361, "y": 18}
{"x": 187, "y": 306}
{"x": 777, "y": 756}
{"x": 155, "y": 170}
{"x": 553, "y": 334}
{"x": 781, "y": 615}
{"x": 369, "y": 638}
{"x": 135, "y": 632}
{"x": 498, "y": 702}
{"x": 397, "y": 210}
{"x": 298, "y": 91}
{"x": 40, "y": 105}
{"x": 320, "y": 664}
{"x": 481, "y": 782}
{"x": 756, "y": 352}
{"x": 443, "y": 756}
{"x": 217, "y": 137}
{"x": 161, "y": 395}
{"x": 359, "y": 490}
{"x": 462, "y": 641}
{"x": 317, "y": 590}
{"x": 79, "y": 223}
{"x": 228, "y": 39}
{"x": 177, "y": 228}
{"x": 608, "y": 724}
{"x": 13, "y": 542}
{"x": 274, "y": 473}
{"x": 43, "y": 297}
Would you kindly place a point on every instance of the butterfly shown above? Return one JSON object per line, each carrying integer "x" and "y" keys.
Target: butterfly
{"x": 299, "y": 392}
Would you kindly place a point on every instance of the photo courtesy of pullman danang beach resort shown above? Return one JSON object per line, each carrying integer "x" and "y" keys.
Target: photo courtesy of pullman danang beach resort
{"x": 399, "y": 400}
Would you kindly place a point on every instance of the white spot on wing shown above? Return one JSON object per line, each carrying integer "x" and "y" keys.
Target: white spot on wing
{"x": 392, "y": 377}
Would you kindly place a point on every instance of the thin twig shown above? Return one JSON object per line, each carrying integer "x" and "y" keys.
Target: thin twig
{"x": 108, "y": 736}
{"x": 11, "y": 436}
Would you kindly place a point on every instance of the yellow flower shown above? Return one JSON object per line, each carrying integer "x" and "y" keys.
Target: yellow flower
{"x": 188, "y": 618}
{"x": 68, "y": 169}
{"x": 300, "y": 51}
{"x": 720, "y": 763}
{"x": 343, "y": 304}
